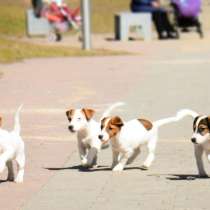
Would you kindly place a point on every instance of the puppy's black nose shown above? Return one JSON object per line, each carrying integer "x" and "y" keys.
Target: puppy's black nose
{"x": 71, "y": 127}
{"x": 193, "y": 140}
{"x": 100, "y": 137}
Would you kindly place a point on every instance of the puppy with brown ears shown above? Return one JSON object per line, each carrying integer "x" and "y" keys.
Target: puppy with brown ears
{"x": 200, "y": 138}
{"x": 127, "y": 138}
{"x": 87, "y": 129}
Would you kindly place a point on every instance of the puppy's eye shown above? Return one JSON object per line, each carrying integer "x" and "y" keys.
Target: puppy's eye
{"x": 69, "y": 119}
{"x": 110, "y": 128}
{"x": 200, "y": 130}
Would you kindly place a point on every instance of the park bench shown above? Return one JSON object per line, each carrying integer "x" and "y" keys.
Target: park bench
{"x": 125, "y": 20}
{"x": 36, "y": 26}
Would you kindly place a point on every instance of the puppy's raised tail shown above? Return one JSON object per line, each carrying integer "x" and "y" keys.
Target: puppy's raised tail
{"x": 17, "y": 120}
{"x": 111, "y": 108}
{"x": 179, "y": 115}
{"x": 187, "y": 112}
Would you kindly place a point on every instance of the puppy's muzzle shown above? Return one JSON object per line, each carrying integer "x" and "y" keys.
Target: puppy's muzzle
{"x": 193, "y": 140}
{"x": 71, "y": 128}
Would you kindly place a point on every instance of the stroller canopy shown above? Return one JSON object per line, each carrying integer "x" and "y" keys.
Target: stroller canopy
{"x": 188, "y": 8}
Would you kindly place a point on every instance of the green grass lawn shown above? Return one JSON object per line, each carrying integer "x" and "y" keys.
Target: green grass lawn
{"x": 12, "y": 50}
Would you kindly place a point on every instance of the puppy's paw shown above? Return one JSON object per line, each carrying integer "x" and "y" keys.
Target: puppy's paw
{"x": 118, "y": 168}
{"x": 10, "y": 178}
{"x": 19, "y": 179}
{"x": 144, "y": 168}
{"x": 84, "y": 162}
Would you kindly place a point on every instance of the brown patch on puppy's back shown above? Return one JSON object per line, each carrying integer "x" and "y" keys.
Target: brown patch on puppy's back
{"x": 146, "y": 123}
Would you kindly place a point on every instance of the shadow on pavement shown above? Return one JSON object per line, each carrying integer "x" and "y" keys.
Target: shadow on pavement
{"x": 80, "y": 168}
{"x": 3, "y": 181}
{"x": 180, "y": 177}
{"x": 188, "y": 177}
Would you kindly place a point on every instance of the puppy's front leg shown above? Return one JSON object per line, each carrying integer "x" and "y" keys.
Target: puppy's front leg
{"x": 198, "y": 156}
{"x": 92, "y": 157}
{"x": 122, "y": 162}
{"x": 82, "y": 153}
{"x": 115, "y": 155}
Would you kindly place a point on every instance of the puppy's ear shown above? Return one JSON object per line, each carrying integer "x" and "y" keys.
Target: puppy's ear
{"x": 103, "y": 122}
{"x": 117, "y": 121}
{"x": 69, "y": 112}
{"x": 0, "y": 121}
{"x": 88, "y": 113}
{"x": 194, "y": 123}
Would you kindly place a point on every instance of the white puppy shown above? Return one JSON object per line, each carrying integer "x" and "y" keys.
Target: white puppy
{"x": 87, "y": 129}
{"x": 128, "y": 137}
{"x": 12, "y": 148}
{"x": 200, "y": 138}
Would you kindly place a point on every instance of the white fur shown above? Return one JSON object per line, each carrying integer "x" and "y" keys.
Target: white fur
{"x": 126, "y": 145}
{"x": 12, "y": 148}
{"x": 88, "y": 131}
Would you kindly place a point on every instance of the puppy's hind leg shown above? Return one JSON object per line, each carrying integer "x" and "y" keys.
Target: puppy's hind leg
{"x": 10, "y": 167}
{"x": 7, "y": 155}
{"x": 133, "y": 157}
{"x": 21, "y": 164}
{"x": 151, "y": 150}
{"x": 198, "y": 156}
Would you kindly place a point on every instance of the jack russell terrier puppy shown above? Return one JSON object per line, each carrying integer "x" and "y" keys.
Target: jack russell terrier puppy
{"x": 200, "y": 138}
{"x": 12, "y": 148}
{"x": 87, "y": 129}
{"x": 128, "y": 137}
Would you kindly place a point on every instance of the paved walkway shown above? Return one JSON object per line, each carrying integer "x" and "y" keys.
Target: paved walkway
{"x": 162, "y": 78}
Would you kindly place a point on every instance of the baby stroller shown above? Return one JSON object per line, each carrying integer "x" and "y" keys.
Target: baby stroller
{"x": 59, "y": 15}
{"x": 61, "y": 18}
{"x": 186, "y": 14}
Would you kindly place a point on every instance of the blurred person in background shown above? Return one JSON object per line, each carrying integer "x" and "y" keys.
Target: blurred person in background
{"x": 160, "y": 18}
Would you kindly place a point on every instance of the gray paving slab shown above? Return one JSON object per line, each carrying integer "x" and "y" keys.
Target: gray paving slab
{"x": 163, "y": 187}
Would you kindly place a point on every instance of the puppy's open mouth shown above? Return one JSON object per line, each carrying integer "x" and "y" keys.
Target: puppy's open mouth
{"x": 104, "y": 141}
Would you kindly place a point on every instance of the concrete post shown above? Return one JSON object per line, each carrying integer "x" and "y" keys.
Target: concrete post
{"x": 86, "y": 28}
